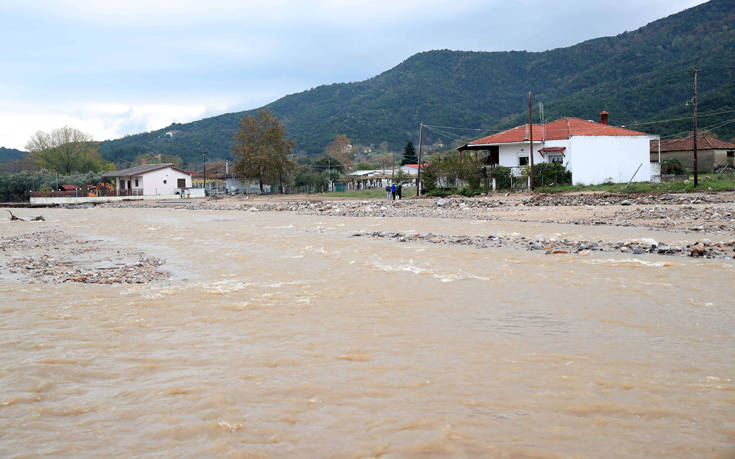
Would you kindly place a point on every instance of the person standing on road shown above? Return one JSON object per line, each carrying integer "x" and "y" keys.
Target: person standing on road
{"x": 393, "y": 191}
{"x": 400, "y": 191}
{"x": 387, "y": 192}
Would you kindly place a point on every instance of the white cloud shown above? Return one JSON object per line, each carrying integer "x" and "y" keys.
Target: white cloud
{"x": 101, "y": 120}
{"x": 118, "y": 67}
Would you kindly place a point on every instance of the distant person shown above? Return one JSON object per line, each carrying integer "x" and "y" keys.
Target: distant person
{"x": 400, "y": 191}
{"x": 393, "y": 191}
{"x": 387, "y": 192}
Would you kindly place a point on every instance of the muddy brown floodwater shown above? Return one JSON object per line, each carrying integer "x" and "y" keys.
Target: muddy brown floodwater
{"x": 277, "y": 334}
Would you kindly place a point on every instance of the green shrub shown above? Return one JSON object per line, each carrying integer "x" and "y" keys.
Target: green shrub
{"x": 502, "y": 177}
{"x": 672, "y": 167}
{"x": 551, "y": 174}
{"x": 16, "y": 186}
{"x": 429, "y": 176}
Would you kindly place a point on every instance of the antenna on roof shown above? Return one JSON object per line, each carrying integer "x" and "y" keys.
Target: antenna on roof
{"x": 543, "y": 121}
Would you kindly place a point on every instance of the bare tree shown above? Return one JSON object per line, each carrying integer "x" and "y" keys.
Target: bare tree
{"x": 65, "y": 150}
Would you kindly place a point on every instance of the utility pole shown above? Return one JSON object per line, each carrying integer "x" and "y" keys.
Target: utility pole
{"x": 418, "y": 177}
{"x": 696, "y": 174}
{"x": 530, "y": 135}
{"x": 204, "y": 161}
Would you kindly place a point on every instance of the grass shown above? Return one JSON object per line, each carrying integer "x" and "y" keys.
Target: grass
{"x": 707, "y": 182}
{"x": 377, "y": 193}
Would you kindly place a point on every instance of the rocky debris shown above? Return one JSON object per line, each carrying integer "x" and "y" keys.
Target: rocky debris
{"x": 623, "y": 199}
{"x": 697, "y": 250}
{"x": 705, "y": 249}
{"x": 56, "y": 257}
{"x": 699, "y": 212}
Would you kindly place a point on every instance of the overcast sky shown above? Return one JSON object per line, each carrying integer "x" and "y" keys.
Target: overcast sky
{"x": 113, "y": 68}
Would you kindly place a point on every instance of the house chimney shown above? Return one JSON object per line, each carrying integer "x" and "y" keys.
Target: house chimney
{"x": 603, "y": 117}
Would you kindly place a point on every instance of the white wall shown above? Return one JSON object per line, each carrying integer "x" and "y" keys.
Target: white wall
{"x": 509, "y": 153}
{"x": 597, "y": 159}
{"x": 153, "y": 182}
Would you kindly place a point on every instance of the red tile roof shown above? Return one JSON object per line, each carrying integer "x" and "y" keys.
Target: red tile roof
{"x": 556, "y": 130}
{"x": 687, "y": 144}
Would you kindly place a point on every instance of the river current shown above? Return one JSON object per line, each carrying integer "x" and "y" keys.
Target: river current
{"x": 282, "y": 335}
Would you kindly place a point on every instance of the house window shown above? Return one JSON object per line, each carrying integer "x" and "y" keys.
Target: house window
{"x": 731, "y": 154}
{"x": 136, "y": 183}
{"x": 556, "y": 159}
{"x": 164, "y": 181}
{"x": 523, "y": 160}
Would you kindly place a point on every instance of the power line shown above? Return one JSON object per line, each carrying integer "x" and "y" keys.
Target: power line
{"x": 450, "y": 135}
{"x": 453, "y": 127}
{"x": 706, "y": 128}
{"x": 678, "y": 119}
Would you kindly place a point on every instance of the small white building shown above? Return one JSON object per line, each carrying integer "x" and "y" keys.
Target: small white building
{"x": 594, "y": 152}
{"x": 150, "y": 180}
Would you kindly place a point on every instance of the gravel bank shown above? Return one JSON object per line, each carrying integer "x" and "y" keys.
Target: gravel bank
{"x": 54, "y": 256}
{"x": 697, "y": 212}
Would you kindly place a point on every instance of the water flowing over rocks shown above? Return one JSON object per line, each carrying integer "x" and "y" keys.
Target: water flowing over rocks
{"x": 54, "y": 256}
{"x": 705, "y": 249}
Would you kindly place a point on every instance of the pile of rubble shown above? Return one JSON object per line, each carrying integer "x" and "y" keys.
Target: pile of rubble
{"x": 55, "y": 257}
{"x": 705, "y": 248}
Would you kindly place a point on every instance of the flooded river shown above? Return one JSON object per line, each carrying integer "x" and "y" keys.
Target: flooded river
{"x": 281, "y": 335}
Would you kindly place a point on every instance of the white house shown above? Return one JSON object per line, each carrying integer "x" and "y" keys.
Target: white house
{"x": 593, "y": 152}
{"x": 150, "y": 180}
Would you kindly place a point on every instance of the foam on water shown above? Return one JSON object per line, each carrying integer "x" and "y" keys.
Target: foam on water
{"x": 629, "y": 261}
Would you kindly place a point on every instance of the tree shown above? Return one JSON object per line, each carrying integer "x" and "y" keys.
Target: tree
{"x": 340, "y": 149}
{"x": 327, "y": 163}
{"x": 66, "y": 150}
{"x": 409, "y": 154}
{"x": 261, "y": 149}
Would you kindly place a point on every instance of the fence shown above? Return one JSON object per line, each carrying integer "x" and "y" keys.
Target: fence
{"x": 83, "y": 194}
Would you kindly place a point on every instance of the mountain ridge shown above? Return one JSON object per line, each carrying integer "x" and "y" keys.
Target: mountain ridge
{"x": 640, "y": 75}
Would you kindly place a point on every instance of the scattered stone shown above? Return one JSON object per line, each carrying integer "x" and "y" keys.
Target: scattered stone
{"x": 625, "y": 202}
{"x": 55, "y": 257}
{"x": 697, "y": 250}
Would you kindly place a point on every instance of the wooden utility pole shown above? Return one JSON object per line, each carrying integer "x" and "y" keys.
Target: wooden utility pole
{"x": 418, "y": 177}
{"x": 530, "y": 135}
{"x": 696, "y": 174}
{"x": 204, "y": 161}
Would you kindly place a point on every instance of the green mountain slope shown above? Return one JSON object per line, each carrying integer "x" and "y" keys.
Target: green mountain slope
{"x": 10, "y": 154}
{"x": 638, "y": 76}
